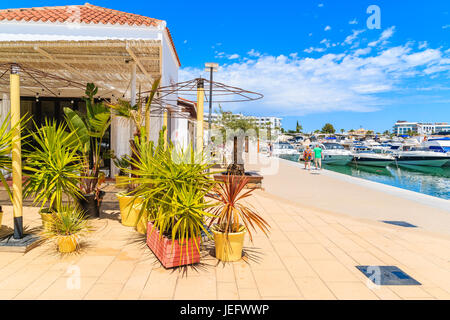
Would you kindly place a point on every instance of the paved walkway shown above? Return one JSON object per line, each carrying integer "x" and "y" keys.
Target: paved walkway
{"x": 332, "y": 192}
{"x": 310, "y": 254}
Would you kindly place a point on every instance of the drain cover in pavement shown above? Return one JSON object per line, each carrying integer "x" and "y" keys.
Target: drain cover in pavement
{"x": 387, "y": 276}
{"x": 400, "y": 223}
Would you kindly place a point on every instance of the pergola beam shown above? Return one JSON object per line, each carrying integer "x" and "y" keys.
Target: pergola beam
{"x": 69, "y": 67}
{"x": 138, "y": 62}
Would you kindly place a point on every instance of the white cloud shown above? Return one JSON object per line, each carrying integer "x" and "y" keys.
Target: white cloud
{"x": 355, "y": 80}
{"x": 253, "y": 53}
{"x": 325, "y": 42}
{"x": 310, "y": 34}
{"x": 386, "y": 34}
{"x": 233, "y": 56}
{"x": 423, "y": 45}
{"x": 185, "y": 41}
{"x": 327, "y": 28}
{"x": 446, "y": 26}
{"x": 362, "y": 52}
{"x": 320, "y": 5}
{"x": 349, "y": 39}
{"x": 312, "y": 49}
{"x": 354, "y": 21}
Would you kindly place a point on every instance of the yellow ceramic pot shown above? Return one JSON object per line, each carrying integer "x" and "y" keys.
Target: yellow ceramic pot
{"x": 142, "y": 224}
{"x": 128, "y": 210}
{"x": 46, "y": 216}
{"x": 229, "y": 247}
{"x": 122, "y": 182}
{"x": 67, "y": 244}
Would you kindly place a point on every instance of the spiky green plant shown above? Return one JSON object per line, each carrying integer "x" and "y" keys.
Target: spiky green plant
{"x": 69, "y": 221}
{"x": 52, "y": 165}
{"x": 89, "y": 130}
{"x": 138, "y": 115}
{"x": 231, "y": 214}
{"x": 5, "y": 151}
{"x": 173, "y": 184}
{"x": 122, "y": 163}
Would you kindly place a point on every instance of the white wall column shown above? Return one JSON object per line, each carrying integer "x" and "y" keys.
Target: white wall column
{"x": 4, "y": 107}
{"x": 121, "y": 129}
{"x": 132, "y": 95}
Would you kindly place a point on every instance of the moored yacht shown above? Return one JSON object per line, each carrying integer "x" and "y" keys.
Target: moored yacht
{"x": 365, "y": 156}
{"x": 335, "y": 154}
{"x": 421, "y": 157}
{"x": 284, "y": 148}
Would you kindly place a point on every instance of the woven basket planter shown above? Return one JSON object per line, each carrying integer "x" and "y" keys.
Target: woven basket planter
{"x": 172, "y": 254}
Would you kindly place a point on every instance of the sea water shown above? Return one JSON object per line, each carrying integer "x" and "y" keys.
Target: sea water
{"x": 434, "y": 181}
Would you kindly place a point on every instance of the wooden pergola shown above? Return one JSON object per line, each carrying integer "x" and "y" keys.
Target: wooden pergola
{"x": 113, "y": 65}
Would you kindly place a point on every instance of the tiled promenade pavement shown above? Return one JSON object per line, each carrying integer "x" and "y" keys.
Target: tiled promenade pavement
{"x": 309, "y": 255}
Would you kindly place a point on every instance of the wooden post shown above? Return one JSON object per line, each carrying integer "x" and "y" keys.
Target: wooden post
{"x": 16, "y": 152}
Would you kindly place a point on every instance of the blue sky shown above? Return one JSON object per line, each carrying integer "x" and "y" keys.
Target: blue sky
{"x": 315, "y": 61}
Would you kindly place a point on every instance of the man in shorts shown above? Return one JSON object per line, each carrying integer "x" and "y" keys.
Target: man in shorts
{"x": 318, "y": 156}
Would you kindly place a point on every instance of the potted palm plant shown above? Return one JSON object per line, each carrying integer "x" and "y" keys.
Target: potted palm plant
{"x": 140, "y": 117}
{"x": 89, "y": 130}
{"x": 232, "y": 218}
{"x": 52, "y": 168}
{"x": 122, "y": 178}
{"x": 67, "y": 226}
{"x": 172, "y": 185}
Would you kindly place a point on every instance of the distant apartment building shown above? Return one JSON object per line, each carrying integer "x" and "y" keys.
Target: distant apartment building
{"x": 263, "y": 122}
{"x": 403, "y": 127}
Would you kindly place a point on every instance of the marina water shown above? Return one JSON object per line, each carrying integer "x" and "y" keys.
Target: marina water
{"x": 434, "y": 181}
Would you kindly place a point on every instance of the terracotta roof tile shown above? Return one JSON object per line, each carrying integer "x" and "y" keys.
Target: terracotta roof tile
{"x": 88, "y": 13}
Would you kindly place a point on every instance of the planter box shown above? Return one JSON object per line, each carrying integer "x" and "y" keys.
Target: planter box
{"x": 169, "y": 254}
{"x": 254, "y": 179}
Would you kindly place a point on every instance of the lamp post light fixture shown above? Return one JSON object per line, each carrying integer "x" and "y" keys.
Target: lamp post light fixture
{"x": 210, "y": 67}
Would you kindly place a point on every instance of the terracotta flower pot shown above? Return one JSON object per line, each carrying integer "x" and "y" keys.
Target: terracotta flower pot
{"x": 129, "y": 212}
{"x": 67, "y": 244}
{"x": 228, "y": 246}
{"x": 172, "y": 255}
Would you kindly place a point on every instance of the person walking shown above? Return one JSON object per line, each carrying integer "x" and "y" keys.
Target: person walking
{"x": 307, "y": 157}
{"x": 318, "y": 156}
{"x": 270, "y": 149}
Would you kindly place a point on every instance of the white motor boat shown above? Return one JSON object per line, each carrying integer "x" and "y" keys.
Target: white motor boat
{"x": 284, "y": 148}
{"x": 421, "y": 157}
{"x": 439, "y": 145}
{"x": 335, "y": 154}
{"x": 376, "y": 146}
{"x": 363, "y": 155}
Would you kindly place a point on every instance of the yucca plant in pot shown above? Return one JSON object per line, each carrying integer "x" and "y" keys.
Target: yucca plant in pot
{"x": 52, "y": 168}
{"x": 122, "y": 179}
{"x": 89, "y": 130}
{"x": 66, "y": 227}
{"x": 172, "y": 185}
{"x": 139, "y": 115}
{"x": 233, "y": 218}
